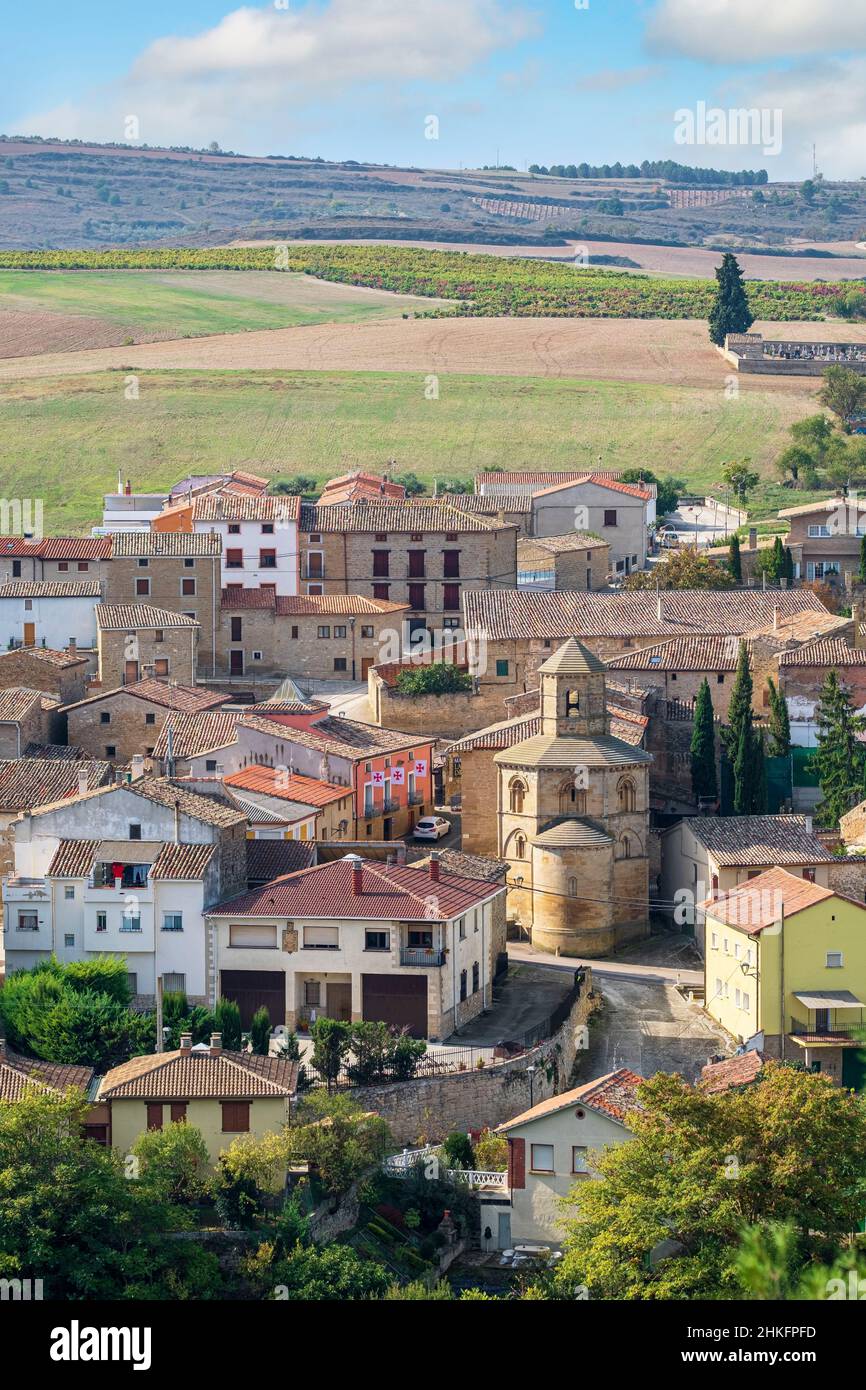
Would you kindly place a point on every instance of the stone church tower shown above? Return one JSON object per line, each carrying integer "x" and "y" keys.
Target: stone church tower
{"x": 573, "y": 815}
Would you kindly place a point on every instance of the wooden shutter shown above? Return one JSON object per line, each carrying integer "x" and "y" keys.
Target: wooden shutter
{"x": 154, "y": 1116}
{"x": 178, "y": 1111}
{"x": 516, "y": 1163}
{"x": 236, "y": 1116}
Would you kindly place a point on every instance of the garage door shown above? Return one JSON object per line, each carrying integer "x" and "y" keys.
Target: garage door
{"x": 251, "y": 988}
{"x": 400, "y": 1000}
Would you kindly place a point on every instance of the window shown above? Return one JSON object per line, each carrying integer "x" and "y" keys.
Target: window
{"x": 234, "y": 528}
{"x": 339, "y": 631}
{"x": 476, "y": 977}
{"x": 381, "y": 563}
{"x": 63, "y": 566}
{"x": 340, "y": 663}
{"x": 267, "y": 528}
{"x": 819, "y": 532}
{"x": 154, "y": 1116}
{"x": 419, "y": 939}
{"x": 381, "y": 535}
{"x": 174, "y": 984}
{"x": 809, "y": 875}
{"x": 187, "y": 587}
{"x": 172, "y": 921}
{"x": 188, "y": 563}
{"x": 315, "y": 539}
{"x": 610, "y": 517}
{"x": 252, "y": 936}
{"x": 157, "y": 635}
{"x": 83, "y": 566}
{"x": 321, "y": 938}
{"x": 377, "y": 941}
{"x": 572, "y": 887}
{"x": 143, "y": 562}
{"x": 294, "y": 632}
{"x": 517, "y": 792}
{"x": 627, "y": 795}
{"x": 381, "y": 591}
{"x": 541, "y": 1158}
{"x": 234, "y": 559}
{"x": 451, "y": 564}
{"x": 267, "y": 559}
{"x": 101, "y": 921}
{"x": 142, "y": 587}
{"x": 450, "y": 596}
{"x": 519, "y": 847}
{"x": 110, "y": 750}
{"x": 28, "y": 921}
{"x": 367, "y": 632}
{"x": 462, "y": 985}
{"x": 130, "y": 923}
{"x": 150, "y": 719}
{"x": 69, "y": 891}
{"x": 313, "y": 589}
{"x": 502, "y": 668}
{"x": 160, "y": 666}
{"x": 417, "y": 563}
{"x": 461, "y": 929}
{"x": 450, "y": 535}
{"x": 746, "y": 1002}
{"x": 178, "y": 1111}
{"x": 237, "y": 625}
{"x": 416, "y": 536}
{"x": 104, "y": 717}
{"x": 834, "y": 960}
{"x": 236, "y": 1116}
{"x": 312, "y": 993}
{"x": 134, "y": 830}
{"x": 69, "y": 939}
{"x": 714, "y": 940}
{"x": 132, "y": 982}
{"x": 737, "y": 998}
{"x": 323, "y": 632}
{"x": 417, "y": 597}
{"x": 578, "y": 1159}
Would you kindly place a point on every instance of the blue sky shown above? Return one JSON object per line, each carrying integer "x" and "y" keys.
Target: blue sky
{"x": 536, "y": 80}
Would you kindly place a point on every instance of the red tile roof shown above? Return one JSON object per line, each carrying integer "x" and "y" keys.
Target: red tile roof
{"x": 614, "y": 1094}
{"x": 202, "y": 732}
{"x": 57, "y": 547}
{"x": 389, "y": 892}
{"x": 16, "y": 702}
{"x": 255, "y": 506}
{"x": 762, "y": 901}
{"x": 835, "y": 652}
{"x": 307, "y": 605}
{"x": 186, "y": 699}
{"x": 359, "y": 484}
{"x": 29, "y": 782}
{"x": 274, "y": 781}
{"x": 73, "y": 859}
{"x": 46, "y": 654}
{"x": 20, "y": 1074}
{"x": 123, "y": 617}
{"x": 199, "y": 1076}
{"x": 717, "y": 1077}
{"x": 51, "y": 588}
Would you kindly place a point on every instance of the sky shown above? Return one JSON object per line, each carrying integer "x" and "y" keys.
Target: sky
{"x": 450, "y": 83}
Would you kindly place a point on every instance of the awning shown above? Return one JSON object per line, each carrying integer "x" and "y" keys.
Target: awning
{"x": 830, "y": 999}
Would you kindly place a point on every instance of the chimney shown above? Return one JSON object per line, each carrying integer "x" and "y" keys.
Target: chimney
{"x": 186, "y": 1042}
{"x": 753, "y": 537}
{"x": 72, "y": 647}
{"x": 357, "y": 864}
{"x": 118, "y": 778}
{"x": 659, "y": 604}
{"x": 137, "y": 766}
{"x": 808, "y": 825}
{"x": 434, "y": 865}
{"x": 401, "y": 854}
{"x": 216, "y": 1044}
{"x": 390, "y": 861}
{"x": 82, "y": 781}
{"x": 128, "y": 488}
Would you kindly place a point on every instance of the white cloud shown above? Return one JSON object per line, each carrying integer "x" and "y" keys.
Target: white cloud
{"x": 617, "y": 79}
{"x": 749, "y": 31}
{"x": 826, "y": 103}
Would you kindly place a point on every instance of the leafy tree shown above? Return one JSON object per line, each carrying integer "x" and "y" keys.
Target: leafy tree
{"x": 411, "y": 482}
{"x": 667, "y": 489}
{"x": 740, "y": 479}
{"x": 683, "y": 569}
{"x": 735, "y": 564}
{"x": 703, "y": 747}
{"x": 237, "y": 1197}
{"x": 339, "y": 1138}
{"x": 779, "y": 726}
{"x": 438, "y": 678}
{"x": 457, "y": 1151}
{"x": 419, "y": 1292}
{"x": 799, "y": 462}
{"x": 491, "y": 1152}
{"x": 331, "y": 1042}
{"x": 815, "y": 434}
{"x": 730, "y": 312}
{"x": 260, "y": 1032}
{"x": 844, "y": 392}
{"x": 174, "y": 1163}
{"x": 457, "y": 485}
{"x": 700, "y": 1168}
{"x": 299, "y": 486}
{"x": 49, "y": 1013}
{"x": 334, "y": 1273}
{"x": 838, "y": 760}
{"x": 226, "y": 1020}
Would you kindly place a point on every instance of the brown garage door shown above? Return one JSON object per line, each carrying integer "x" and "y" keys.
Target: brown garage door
{"x": 251, "y": 988}
{"x": 397, "y": 999}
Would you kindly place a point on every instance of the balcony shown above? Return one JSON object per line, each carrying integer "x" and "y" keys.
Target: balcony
{"x": 421, "y": 955}
{"x": 390, "y": 804}
{"x": 834, "y": 1035}
{"x": 416, "y": 798}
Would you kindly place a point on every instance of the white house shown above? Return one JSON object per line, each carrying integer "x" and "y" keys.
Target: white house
{"x": 49, "y": 613}
{"x": 259, "y": 536}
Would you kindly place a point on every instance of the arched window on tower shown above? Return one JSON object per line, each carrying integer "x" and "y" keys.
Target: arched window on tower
{"x": 519, "y": 847}
{"x": 572, "y": 799}
{"x": 517, "y": 791}
{"x": 625, "y": 847}
{"x": 572, "y": 887}
{"x": 572, "y": 704}
{"x": 627, "y": 795}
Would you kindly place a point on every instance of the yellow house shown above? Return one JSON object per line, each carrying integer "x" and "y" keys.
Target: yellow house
{"x": 786, "y": 959}
{"x": 224, "y": 1094}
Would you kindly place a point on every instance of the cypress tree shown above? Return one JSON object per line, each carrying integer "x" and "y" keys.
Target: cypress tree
{"x": 862, "y": 572}
{"x": 740, "y": 706}
{"x": 703, "y": 748}
{"x": 839, "y": 759}
{"x": 788, "y": 572}
{"x": 730, "y": 312}
{"x": 743, "y": 746}
{"x": 779, "y": 727}
{"x": 734, "y": 562}
{"x": 778, "y": 559}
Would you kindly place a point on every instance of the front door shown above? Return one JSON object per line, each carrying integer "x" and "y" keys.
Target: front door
{"x": 387, "y": 828}
{"x": 130, "y": 672}
{"x": 822, "y": 1020}
{"x": 503, "y": 1234}
{"x": 366, "y": 663}
{"x": 340, "y": 1002}
{"x": 30, "y": 634}
{"x": 237, "y": 663}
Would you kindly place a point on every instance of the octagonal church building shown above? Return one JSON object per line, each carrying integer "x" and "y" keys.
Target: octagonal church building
{"x": 573, "y": 817}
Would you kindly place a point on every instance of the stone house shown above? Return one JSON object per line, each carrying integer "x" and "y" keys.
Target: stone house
{"x": 61, "y": 674}
{"x": 802, "y": 673}
{"x": 258, "y": 534}
{"x": 573, "y": 561}
{"x": 424, "y": 552}
{"x": 824, "y": 538}
{"x": 136, "y": 641}
{"x": 356, "y": 939}
{"x": 223, "y": 1094}
{"x": 177, "y": 571}
{"x": 119, "y": 724}
{"x": 49, "y": 613}
{"x": 705, "y": 855}
{"x": 57, "y": 559}
{"x": 125, "y": 869}
{"x": 551, "y": 1149}
{"x": 26, "y": 716}
{"x": 328, "y": 637}
{"x": 573, "y": 817}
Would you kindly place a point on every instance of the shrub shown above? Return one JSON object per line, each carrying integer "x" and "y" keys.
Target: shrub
{"x": 174, "y": 1163}
{"x": 260, "y": 1032}
{"x": 439, "y": 678}
{"x": 457, "y": 1151}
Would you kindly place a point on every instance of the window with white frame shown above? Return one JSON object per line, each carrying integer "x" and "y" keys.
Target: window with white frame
{"x": 541, "y": 1158}
{"x": 28, "y": 921}
{"x": 834, "y": 960}
{"x": 579, "y": 1162}
{"x": 172, "y": 921}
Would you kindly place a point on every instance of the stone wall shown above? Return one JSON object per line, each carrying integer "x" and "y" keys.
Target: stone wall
{"x": 168, "y": 652}
{"x": 448, "y": 716}
{"x": 433, "y": 1107}
{"x": 848, "y": 876}
{"x": 167, "y": 581}
{"x": 23, "y": 667}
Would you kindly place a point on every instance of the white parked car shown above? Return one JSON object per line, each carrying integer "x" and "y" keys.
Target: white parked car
{"x": 431, "y": 828}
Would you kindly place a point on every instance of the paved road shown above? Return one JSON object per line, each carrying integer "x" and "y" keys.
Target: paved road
{"x": 646, "y": 1025}
{"x": 612, "y": 968}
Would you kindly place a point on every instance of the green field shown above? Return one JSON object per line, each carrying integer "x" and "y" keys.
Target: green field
{"x": 64, "y": 439}
{"x": 179, "y": 304}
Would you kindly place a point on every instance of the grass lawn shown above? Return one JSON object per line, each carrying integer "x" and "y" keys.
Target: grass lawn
{"x": 184, "y": 303}
{"x": 64, "y": 439}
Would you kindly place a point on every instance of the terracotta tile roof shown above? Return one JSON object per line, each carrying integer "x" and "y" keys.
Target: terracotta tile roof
{"x": 211, "y": 810}
{"x": 31, "y": 782}
{"x": 199, "y": 1076}
{"x": 57, "y": 548}
{"x": 123, "y": 617}
{"x": 682, "y": 654}
{"x": 308, "y": 605}
{"x": 389, "y": 892}
{"x": 829, "y": 504}
{"x": 270, "y": 859}
{"x": 193, "y": 734}
{"x": 46, "y": 654}
{"x": 502, "y": 735}
{"x": 272, "y": 707}
{"x": 835, "y": 652}
{"x": 273, "y": 781}
{"x": 544, "y": 479}
{"x": 627, "y": 726}
{"x": 16, "y": 702}
{"x": 189, "y": 544}
{"x": 178, "y": 863}
{"x": 717, "y": 1077}
{"x": 432, "y": 514}
{"x": 614, "y": 1095}
{"x": 69, "y": 751}
{"x": 492, "y": 503}
{"x": 73, "y": 859}
{"x": 468, "y": 865}
{"x": 186, "y": 699}
{"x": 562, "y": 545}
{"x": 596, "y": 479}
{"x": 351, "y": 739}
{"x": 502, "y": 614}
{"x": 752, "y": 841}
{"x": 243, "y": 506}
{"x": 35, "y": 588}
{"x": 360, "y": 484}
{"x": 760, "y": 902}
{"x": 803, "y": 627}
{"x": 19, "y": 1074}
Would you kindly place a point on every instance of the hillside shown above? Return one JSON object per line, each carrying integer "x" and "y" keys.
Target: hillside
{"x": 66, "y": 195}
